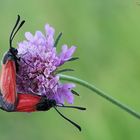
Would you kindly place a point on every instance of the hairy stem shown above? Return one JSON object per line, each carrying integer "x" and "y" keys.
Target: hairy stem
{"x": 101, "y": 93}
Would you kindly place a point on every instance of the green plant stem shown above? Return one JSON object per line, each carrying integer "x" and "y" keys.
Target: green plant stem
{"x": 101, "y": 93}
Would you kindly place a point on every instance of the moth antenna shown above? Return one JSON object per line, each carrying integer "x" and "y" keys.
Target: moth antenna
{"x": 27, "y": 63}
{"x": 21, "y": 24}
{"x": 17, "y": 21}
{"x": 73, "y": 123}
{"x": 75, "y": 107}
{"x": 13, "y": 33}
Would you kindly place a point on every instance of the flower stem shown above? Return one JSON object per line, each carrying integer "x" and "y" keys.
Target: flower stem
{"x": 101, "y": 93}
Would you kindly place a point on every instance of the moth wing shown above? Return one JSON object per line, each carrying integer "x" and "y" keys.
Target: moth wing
{"x": 8, "y": 82}
{"x": 27, "y": 102}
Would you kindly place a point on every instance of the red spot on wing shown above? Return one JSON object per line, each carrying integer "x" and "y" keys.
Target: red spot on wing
{"x": 8, "y": 82}
{"x": 27, "y": 102}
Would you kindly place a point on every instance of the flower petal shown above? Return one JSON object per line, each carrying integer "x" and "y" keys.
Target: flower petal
{"x": 39, "y": 61}
{"x": 29, "y": 36}
{"x": 66, "y": 53}
{"x": 49, "y": 30}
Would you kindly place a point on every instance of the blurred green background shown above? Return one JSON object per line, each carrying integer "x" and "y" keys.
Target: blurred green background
{"x": 107, "y": 34}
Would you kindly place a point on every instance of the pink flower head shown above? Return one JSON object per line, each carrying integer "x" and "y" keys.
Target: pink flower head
{"x": 38, "y": 65}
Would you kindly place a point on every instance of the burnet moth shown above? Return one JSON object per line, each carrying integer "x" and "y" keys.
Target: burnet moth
{"x": 10, "y": 100}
